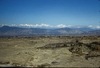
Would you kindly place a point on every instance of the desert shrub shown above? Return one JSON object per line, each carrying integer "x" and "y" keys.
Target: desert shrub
{"x": 1, "y": 62}
{"x": 94, "y": 46}
{"x": 77, "y": 41}
{"x": 79, "y": 48}
{"x": 54, "y": 46}
{"x": 76, "y": 50}
{"x": 97, "y": 43}
{"x": 54, "y": 62}
{"x": 92, "y": 54}
{"x": 33, "y": 42}
{"x": 43, "y": 65}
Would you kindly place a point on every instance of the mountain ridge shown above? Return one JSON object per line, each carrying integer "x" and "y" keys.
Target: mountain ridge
{"x": 18, "y": 31}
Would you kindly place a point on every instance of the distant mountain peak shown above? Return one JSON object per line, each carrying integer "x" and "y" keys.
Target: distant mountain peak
{"x": 5, "y": 26}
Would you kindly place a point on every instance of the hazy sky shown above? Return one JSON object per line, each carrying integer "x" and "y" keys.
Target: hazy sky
{"x": 53, "y": 12}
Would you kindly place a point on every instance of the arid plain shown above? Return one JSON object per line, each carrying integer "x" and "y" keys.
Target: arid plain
{"x": 50, "y": 51}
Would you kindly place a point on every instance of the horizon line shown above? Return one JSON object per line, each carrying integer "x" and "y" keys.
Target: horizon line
{"x": 50, "y": 26}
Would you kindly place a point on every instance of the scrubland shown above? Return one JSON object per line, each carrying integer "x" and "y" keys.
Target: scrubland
{"x": 50, "y": 51}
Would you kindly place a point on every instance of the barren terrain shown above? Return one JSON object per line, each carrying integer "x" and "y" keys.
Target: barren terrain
{"x": 50, "y": 51}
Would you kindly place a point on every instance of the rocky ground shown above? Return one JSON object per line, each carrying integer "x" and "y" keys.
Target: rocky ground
{"x": 54, "y": 51}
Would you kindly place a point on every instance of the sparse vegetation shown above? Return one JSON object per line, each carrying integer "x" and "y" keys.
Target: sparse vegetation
{"x": 43, "y": 65}
{"x": 54, "y": 46}
{"x": 50, "y": 51}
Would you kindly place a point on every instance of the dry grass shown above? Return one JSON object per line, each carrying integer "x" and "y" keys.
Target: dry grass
{"x": 54, "y": 51}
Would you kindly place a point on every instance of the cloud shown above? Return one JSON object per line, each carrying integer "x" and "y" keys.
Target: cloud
{"x": 49, "y": 26}
{"x": 25, "y": 25}
{"x": 35, "y": 25}
{"x": 98, "y": 27}
{"x": 43, "y": 25}
{"x": 90, "y": 26}
{"x": 63, "y": 26}
{"x": 94, "y": 27}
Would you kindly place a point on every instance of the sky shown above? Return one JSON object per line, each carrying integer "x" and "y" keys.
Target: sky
{"x": 50, "y": 12}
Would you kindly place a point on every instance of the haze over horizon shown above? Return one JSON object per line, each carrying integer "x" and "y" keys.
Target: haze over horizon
{"x": 59, "y": 13}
